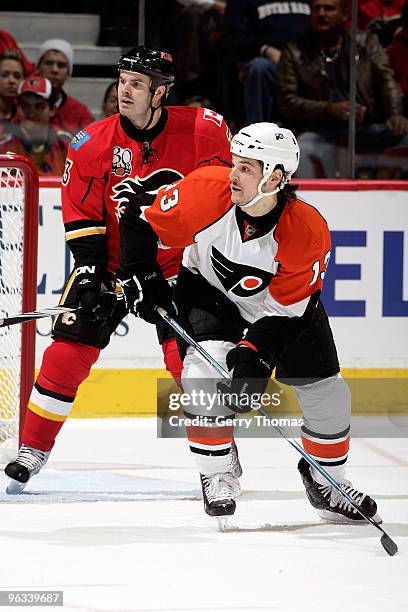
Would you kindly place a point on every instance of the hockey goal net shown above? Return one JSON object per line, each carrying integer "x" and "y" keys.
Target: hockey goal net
{"x": 18, "y": 280}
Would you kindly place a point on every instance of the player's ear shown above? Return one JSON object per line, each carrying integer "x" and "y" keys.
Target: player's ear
{"x": 160, "y": 93}
{"x": 275, "y": 178}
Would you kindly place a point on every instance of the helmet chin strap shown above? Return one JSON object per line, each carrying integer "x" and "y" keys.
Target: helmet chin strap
{"x": 262, "y": 194}
{"x": 153, "y": 109}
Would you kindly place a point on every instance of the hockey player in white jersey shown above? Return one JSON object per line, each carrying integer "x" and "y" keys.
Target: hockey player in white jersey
{"x": 249, "y": 292}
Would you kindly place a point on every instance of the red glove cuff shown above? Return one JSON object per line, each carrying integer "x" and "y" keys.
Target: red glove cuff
{"x": 248, "y": 344}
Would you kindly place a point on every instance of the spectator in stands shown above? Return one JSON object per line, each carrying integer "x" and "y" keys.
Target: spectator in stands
{"x": 217, "y": 6}
{"x": 55, "y": 62}
{"x": 194, "y": 32}
{"x": 314, "y": 90}
{"x": 8, "y": 43}
{"x": 110, "y": 100}
{"x": 198, "y": 102}
{"x": 398, "y": 55}
{"x": 34, "y": 137}
{"x": 380, "y": 17}
{"x": 255, "y": 33}
{"x": 11, "y": 75}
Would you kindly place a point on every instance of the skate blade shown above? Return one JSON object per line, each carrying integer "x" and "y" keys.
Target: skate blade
{"x": 340, "y": 519}
{"x": 15, "y": 488}
{"x": 222, "y": 523}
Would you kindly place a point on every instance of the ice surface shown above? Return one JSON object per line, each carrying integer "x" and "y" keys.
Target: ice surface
{"x": 116, "y": 521}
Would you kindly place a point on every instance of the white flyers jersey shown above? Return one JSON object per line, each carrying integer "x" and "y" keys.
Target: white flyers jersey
{"x": 263, "y": 271}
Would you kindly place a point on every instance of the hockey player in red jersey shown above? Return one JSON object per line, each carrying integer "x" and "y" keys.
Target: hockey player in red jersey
{"x": 249, "y": 293}
{"x": 108, "y": 164}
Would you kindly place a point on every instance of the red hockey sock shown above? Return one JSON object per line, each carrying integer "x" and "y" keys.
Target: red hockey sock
{"x": 64, "y": 367}
{"x": 172, "y": 359}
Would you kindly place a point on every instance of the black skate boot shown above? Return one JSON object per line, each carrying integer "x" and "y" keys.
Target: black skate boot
{"x": 331, "y": 505}
{"x": 28, "y": 462}
{"x": 218, "y": 494}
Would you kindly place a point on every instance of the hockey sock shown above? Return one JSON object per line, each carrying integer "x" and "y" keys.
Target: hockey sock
{"x": 329, "y": 450}
{"x": 210, "y": 447}
{"x": 64, "y": 367}
{"x": 172, "y": 359}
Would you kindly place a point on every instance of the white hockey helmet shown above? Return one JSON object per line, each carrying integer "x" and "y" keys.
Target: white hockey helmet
{"x": 269, "y": 143}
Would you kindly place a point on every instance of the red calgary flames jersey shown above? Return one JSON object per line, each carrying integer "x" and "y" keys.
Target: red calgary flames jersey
{"x": 273, "y": 271}
{"x": 110, "y": 162}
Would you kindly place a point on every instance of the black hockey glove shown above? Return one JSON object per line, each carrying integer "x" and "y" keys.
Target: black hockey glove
{"x": 250, "y": 375}
{"x": 88, "y": 286}
{"x": 145, "y": 292}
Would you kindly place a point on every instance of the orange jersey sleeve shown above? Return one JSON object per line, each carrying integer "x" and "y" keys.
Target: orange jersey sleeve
{"x": 181, "y": 211}
{"x": 303, "y": 253}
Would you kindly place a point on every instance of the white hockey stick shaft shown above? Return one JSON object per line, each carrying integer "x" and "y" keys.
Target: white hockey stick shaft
{"x": 388, "y": 544}
{"x": 24, "y": 317}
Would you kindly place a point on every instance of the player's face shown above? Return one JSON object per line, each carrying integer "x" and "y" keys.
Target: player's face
{"x": 54, "y": 66}
{"x": 244, "y": 177}
{"x": 134, "y": 96}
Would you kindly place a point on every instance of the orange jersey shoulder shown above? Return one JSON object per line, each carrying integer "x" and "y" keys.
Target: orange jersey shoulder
{"x": 181, "y": 211}
{"x": 303, "y": 253}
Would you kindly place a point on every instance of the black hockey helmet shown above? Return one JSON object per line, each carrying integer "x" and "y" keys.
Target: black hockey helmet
{"x": 152, "y": 62}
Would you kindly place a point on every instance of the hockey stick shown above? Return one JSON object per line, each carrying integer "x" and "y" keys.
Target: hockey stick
{"x": 388, "y": 544}
{"x": 24, "y": 317}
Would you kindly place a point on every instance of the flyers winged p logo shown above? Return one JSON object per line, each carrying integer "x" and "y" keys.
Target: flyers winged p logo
{"x": 237, "y": 278}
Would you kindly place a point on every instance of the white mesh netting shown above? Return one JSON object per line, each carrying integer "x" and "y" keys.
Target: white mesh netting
{"x": 11, "y": 292}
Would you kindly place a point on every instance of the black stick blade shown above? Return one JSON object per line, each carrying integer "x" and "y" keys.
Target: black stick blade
{"x": 389, "y": 545}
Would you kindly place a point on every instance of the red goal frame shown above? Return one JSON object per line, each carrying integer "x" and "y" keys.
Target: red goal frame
{"x": 30, "y": 255}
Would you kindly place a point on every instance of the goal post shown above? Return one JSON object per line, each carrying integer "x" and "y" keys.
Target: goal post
{"x": 18, "y": 288}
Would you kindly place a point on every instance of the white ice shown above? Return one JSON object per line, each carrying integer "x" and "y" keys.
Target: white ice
{"x": 116, "y": 521}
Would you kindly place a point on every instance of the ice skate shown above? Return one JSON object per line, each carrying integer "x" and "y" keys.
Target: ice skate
{"x": 218, "y": 496}
{"x": 28, "y": 462}
{"x": 331, "y": 505}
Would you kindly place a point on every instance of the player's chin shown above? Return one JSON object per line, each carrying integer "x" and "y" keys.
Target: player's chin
{"x": 239, "y": 202}
{"x": 236, "y": 199}
{"x": 125, "y": 110}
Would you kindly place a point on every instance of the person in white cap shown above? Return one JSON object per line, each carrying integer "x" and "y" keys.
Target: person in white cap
{"x": 55, "y": 62}
{"x": 34, "y": 136}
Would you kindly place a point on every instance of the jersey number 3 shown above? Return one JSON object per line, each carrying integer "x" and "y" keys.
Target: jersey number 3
{"x": 169, "y": 200}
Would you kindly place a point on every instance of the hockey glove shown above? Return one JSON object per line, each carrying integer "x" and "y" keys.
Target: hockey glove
{"x": 145, "y": 292}
{"x": 88, "y": 286}
{"x": 250, "y": 375}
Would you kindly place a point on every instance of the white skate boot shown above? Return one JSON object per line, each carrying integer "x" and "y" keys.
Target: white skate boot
{"x": 219, "y": 496}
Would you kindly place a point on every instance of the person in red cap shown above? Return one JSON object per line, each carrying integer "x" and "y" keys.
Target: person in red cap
{"x": 33, "y": 136}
